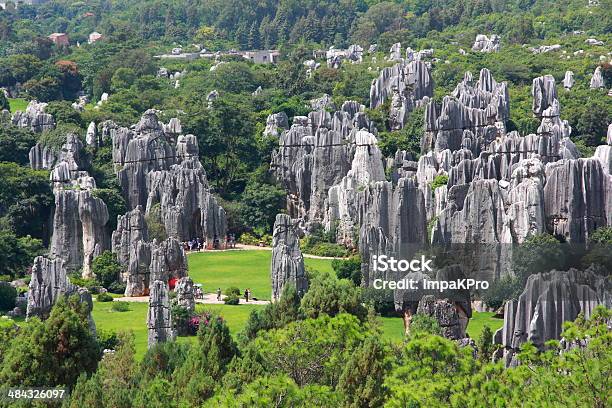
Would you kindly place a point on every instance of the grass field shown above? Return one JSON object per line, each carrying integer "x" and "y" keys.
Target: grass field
{"x": 17, "y": 104}
{"x": 243, "y": 269}
{"x": 136, "y": 320}
{"x": 393, "y": 327}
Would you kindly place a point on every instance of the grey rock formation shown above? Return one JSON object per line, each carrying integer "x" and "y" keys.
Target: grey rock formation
{"x": 409, "y": 85}
{"x": 545, "y": 48}
{"x": 48, "y": 283}
{"x": 145, "y": 261}
{"x": 477, "y": 112}
{"x": 185, "y": 293}
{"x": 609, "y": 135}
{"x": 597, "y": 80}
{"x": 392, "y": 222}
{"x": 287, "y": 262}
{"x": 395, "y": 53}
{"x": 91, "y": 137}
{"x": 577, "y": 198}
{"x": 315, "y": 154}
{"x": 568, "y": 80}
{"x": 449, "y": 317}
{"x": 153, "y": 170}
{"x": 325, "y": 102}
{"x": 452, "y": 308}
{"x": 159, "y": 318}
{"x": 276, "y": 123}
{"x": 34, "y": 118}
{"x": 548, "y": 300}
{"x": 484, "y": 43}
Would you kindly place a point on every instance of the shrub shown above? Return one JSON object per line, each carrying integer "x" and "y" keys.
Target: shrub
{"x": 120, "y": 306}
{"x": 232, "y": 300}
{"x": 181, "y": 318}
{"x": 8, "y": 294}
{"x": 117, "y": 287}
{"x": 506, "y": 288}
{"x": 107, "y": 339}
{"x": 104, "y": 297}
{"x": 380, "y": 300}
{"x": 348, "y": 269}
{"x": 439, "y": 181}
{"x": 232, "y": 290}
{"x": 327, "y": 249}
{"x": 248, "y": 239}
{"x": 422, "y": 323}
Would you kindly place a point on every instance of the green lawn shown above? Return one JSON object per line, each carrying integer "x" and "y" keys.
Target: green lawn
{"x": 17, "y": 104}
{"x": 243, "y": 269}
{"x": 136, "y": 320}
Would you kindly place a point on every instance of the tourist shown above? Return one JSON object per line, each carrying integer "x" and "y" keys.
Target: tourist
{"x": 219, "y": 294}
{"x": 246, "y": 294}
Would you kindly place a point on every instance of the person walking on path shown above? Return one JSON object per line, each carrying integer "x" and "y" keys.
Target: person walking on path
{"x": 219, "y": 294}
{"x": 246, "y": 294}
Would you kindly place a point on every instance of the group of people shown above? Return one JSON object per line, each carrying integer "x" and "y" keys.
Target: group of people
{"x": 198, "y": 244}
{"x": 195, "y": 244}
{"x": 247, "y": 294}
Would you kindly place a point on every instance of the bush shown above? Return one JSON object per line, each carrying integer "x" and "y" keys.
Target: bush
{"x": 107, "y": 339}
{"x": 380, "y": 300}
{"x": 348, "y": 269}
{"x": 422, "y": 323}
{"x": 8, "y": 294}
{"x": 181, "y": 318}
{"x": 120, "y": 306}
{"x": 248, "y": 239}
{"x": 232, "y": 300}
{"x": 104, "y": 297}
{"x": 439, "y": 181}
{"x": 232, "y": 290}
{"x": 506, "y": 288}
{"x": 117, "y": 288}
{"x": 326, "y": 249}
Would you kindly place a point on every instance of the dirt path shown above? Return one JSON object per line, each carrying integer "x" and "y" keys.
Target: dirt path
{"x": 209, "y": 299}
{"x": 243, "y": 247}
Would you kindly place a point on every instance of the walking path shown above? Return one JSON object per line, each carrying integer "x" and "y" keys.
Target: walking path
{"x": 209, "y": 299}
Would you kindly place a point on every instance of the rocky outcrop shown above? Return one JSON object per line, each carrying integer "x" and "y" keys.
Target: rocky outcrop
{"x": 48, "y": 283}
{"x": 325, "y": 102}
{"x": 145, "y": 261}
{"x": 597, "y": 80}
{"x": 485, "y": 43}
{"x": 276, "y": 123}
{"x": 287, "y": 266}
{"x": 315, "y": 154}
{"x": 577, "y": 196}
{"x": 392, "y": 222}
{"x": 91, "y": 136}
{"x": 34, "y": 118}
{"x": 451, "y": 309}
{"x": 548, "y": 300}
{"x": 47, "y": 157}
{"x": 185, "y": 293}
{"x": 480, "y": 108}
{"x": 546, "y": 107}
{"x": 341, "y": 204}
{"x": 568, "y": 80}
{"x": 409, "y": 84}
{"x": 159, "y": 318}
{"x": 153, "y": 170}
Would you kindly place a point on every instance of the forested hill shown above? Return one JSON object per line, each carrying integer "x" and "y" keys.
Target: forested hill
{"x": 272, "y": 23}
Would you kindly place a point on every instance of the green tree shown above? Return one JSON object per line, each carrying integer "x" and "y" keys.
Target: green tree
{"x": 331, "y": 296}
{"x": 106, "y": 268}
{"x": 260, "y": 204}
{"x": 60, "y": 348}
